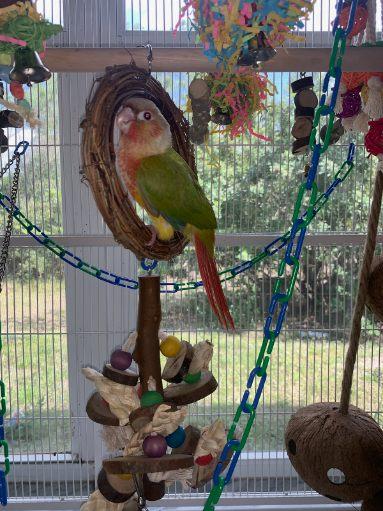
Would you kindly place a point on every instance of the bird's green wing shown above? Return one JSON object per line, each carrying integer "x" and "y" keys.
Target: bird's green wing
{"x": 167, "y": 188}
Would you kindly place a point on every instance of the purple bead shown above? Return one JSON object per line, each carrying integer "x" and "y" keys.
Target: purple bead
{"x": 154, "y": 446}
{"x": 121, "y": 360}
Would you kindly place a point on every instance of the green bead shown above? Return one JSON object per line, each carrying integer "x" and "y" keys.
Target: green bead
{"x": 192, "y": 378}
{"x": 150, "y": 398}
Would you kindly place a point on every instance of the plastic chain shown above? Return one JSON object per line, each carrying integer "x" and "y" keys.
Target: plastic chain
{"x": 172, "y": 287}
{"x": 288, "y": 267}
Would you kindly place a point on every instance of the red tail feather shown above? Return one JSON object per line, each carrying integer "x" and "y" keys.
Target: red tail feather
{"x": 210, "y": 278}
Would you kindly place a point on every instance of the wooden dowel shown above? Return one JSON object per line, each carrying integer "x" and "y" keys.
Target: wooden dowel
{"x": 147, "y": 353}
{"x": 192, "y": 59}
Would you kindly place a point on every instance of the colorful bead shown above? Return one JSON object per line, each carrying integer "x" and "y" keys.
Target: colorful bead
{"x": 177, "y": 438}
{"x": 121, "y": 360}
{"x": 151, "y": 398}
{"x": 192, "y": 378}
{"x": 154, "y": 446}
{"x": 202, "y": 461}
{"x": 17, "y": 90}
{"x": 170, "y": 347}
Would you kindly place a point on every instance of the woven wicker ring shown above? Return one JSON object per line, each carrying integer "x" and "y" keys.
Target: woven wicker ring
{"x": 107, "y": 96}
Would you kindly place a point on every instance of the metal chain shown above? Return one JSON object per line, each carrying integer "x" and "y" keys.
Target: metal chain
{"x": 288, "y": 267}
{"x": 172, "y": 287}
{"x": 18, "y": 152}
{"x": 9, "y": 225}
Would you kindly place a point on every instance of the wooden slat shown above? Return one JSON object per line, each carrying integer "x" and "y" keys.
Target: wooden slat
{"x": 192, "y": 59}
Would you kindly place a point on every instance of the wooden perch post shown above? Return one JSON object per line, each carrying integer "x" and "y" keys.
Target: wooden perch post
{"x": 147, "y": 353}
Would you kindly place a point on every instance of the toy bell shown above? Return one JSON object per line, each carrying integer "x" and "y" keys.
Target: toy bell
{"x": 28, "y": 68}
{"x": 220, "y": 117}
{"x": 265, "y": 51}
{"x": 257, "y": 50}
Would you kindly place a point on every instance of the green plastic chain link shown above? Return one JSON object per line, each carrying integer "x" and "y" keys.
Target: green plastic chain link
{"x": 289, "y": 267}
{"x": 3, "y": 409}
{"x": 226, "y": 275}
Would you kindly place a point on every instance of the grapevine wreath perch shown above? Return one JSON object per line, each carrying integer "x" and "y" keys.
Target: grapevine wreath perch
{"x": 107, "y": 97}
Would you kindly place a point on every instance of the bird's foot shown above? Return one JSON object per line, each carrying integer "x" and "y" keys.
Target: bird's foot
{"x": 153, "y": 238}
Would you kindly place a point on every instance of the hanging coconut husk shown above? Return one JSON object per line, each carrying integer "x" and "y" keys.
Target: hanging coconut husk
{"x": 337, "y": 448}
{"x": 374, "y": 504}
{"x": 320, "y": 439}
{"x": 107, "y": 97}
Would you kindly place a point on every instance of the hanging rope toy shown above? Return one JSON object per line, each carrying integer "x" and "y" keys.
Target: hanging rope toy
{"x": 23, "y": 32}
{"x": 227, "y": 28}
{"x": 337, "y": 448}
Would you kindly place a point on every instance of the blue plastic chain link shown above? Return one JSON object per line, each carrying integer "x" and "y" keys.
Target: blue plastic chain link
{"x": 288, "y": 267}
{"x": 167, "y": 287}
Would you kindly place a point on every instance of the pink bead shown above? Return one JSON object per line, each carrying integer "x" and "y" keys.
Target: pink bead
{"x": 17, "y": 90}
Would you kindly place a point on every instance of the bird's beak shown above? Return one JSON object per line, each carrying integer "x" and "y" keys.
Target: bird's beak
{"x": 125, "y": 117}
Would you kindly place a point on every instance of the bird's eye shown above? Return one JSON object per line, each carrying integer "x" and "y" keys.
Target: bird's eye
{"x": 145, "y": 116}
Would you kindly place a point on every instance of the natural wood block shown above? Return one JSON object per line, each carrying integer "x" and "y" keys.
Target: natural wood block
{"x": 98, "y": 411}
{"x": 178, "y": 367}
{"x": 306, "y": 98}
{"x": 145, "y": 465}
{"x": 191, "y": 440}
{"x": 152, "y": 491}
{"x": 109, "y": 492}
{"x": 185, "y": 393}
{"x": 302, "y": 127}
{"x": 123, "y": 377}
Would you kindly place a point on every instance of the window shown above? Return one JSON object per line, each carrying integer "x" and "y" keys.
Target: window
{"x": 56, "y": 320}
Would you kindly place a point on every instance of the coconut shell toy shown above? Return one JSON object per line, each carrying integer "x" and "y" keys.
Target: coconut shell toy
{"x": 337, "y": 448}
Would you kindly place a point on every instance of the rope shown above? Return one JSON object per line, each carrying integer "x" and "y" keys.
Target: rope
{"x": 371, "y": 22}
{"x": 381, "y": 14}
{"x": 368, "y": 255}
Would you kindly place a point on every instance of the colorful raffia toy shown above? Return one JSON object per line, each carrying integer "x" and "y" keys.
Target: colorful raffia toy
{"x": 23, "y": 32}
{"x": 239, "y": 95}
{"x": 228, "y": 27}
{"x": 240, "y": 34}
{"x": 229, "y": 99}
{"x": 360, "y": 97}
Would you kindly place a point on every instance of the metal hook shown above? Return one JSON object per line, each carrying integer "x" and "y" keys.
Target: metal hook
{"x": 141, "y": 498}
{"x": 149, "y": 57}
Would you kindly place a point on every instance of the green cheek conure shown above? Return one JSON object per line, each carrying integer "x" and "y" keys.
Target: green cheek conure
{"x": 159, "y": 180}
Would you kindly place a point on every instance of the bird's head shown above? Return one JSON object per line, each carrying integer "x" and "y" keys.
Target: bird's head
{"x": 144, "y": 129}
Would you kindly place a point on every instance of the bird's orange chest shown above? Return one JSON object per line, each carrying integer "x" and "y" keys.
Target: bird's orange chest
{"x": 129, "y": 168}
